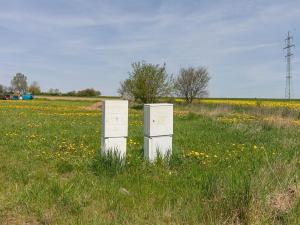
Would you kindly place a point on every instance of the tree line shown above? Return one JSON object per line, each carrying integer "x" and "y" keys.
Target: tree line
{"x": 19, "y": 84}
{"x": 147, "y": 83}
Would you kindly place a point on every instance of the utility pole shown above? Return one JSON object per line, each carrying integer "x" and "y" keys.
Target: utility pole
{"x": 289, "y": 54}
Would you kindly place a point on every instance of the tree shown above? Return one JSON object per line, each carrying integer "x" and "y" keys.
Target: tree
{"x": 191, "y": 83}
{"x": 19, "y": 83}
{"x": 34, "y": 88}
{"x": 146, "y": 83}
{"x": 89, "y": 92}
{"x": 124, "y": 90}
{"x": 54, "y": 91}
{"x": 71, "y": 93}
{"x": 2, "y": 89}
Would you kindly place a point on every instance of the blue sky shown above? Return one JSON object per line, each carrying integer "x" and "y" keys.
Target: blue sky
{"x": 75, "y": 44}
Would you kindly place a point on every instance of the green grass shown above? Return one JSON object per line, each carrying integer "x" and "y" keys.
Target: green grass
{"x": 220, "y": 172}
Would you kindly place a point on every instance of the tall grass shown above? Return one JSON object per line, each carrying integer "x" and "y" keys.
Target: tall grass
{"x": 220, "y": 172}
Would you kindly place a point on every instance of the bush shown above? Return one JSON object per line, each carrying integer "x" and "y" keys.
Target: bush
{"x": 34, "y": 88}
{"x": 146, "y": 83}
{"x": 89, "y": 92}
{"x": 1, "y": 89}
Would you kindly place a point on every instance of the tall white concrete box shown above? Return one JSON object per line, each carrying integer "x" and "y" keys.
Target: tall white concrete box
{"x": 157, "y": 146}
{"x": 114, "y": 126}
{"x": 115, "y": 118}
{"x": 115, "y": 146}
{"x": 158, "y": 119}
{"x": 158, "y": 130}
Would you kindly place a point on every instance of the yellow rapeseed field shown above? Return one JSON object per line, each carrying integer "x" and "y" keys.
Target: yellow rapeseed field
{"x": 261, "y": 103}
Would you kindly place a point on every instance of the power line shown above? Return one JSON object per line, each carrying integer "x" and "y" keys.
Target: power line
{"x": 289, "y": 54}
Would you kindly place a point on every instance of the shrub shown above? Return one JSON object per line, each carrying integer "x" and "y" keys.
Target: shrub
{"x": 146, "y": 83}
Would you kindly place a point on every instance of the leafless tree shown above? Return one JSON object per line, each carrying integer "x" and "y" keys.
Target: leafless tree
{"x": 191, "y": 83}
{"x": 19, "y": 83}
{"x": 34, "y": 88}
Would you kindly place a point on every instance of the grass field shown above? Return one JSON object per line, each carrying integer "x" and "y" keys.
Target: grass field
{"x": 232, "y": 163}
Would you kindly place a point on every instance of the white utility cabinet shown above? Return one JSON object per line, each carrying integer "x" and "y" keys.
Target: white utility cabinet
{"x": 114, "y": 126}
{"x": 158, "y": 130}
{"x": 115, "y": 146}
{"x": 161, "y": 145}
{"x": 115, "y": 118}
{"x": 158, "y": 119}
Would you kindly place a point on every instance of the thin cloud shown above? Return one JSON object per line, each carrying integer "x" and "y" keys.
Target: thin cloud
{"x": 98, "y": 40}
{"x": 241, "y": 49}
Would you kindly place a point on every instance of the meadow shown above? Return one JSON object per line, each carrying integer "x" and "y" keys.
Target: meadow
{"x": 233, "y": 162}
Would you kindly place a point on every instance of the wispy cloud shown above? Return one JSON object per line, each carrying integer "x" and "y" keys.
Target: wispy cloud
{"x": 239, "y": 41}
{"x": 241, "y": 49}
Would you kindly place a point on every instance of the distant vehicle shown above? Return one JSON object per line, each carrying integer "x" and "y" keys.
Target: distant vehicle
{"x": 27, "y": 96}
{"x": 4, "y": 97}
{"x": 15, "y": 97}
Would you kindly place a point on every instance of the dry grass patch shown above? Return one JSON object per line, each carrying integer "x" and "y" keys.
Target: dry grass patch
{"x": 17, "y": 219}
{"x": 95, "y": 106}
{"x": 276, "y": 192}
{"x": 283, "y": 201}
{"x": 212, "y": 112}
{"x": 281, "y": 122}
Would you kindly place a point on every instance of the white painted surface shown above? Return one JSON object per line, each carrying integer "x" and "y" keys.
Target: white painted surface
{"x": 114, "y": 127}
{"x": 153, "y": 146}
{"x": 115, "y": 118}
{"x": 115, "y": 146}
{"x": 158, "y": 119}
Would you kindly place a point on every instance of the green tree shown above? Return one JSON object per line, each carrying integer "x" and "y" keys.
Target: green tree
{"x": 89, "y": 92}
{"x": 53, "y": 91}
{"x": 34, "y": 88}
{"x": 191, "y": 83}
{"x": 2, "y": 89}
{"x": 19, "y": 83}
{"x": 146, "y": 83}
{"x": 71, "y": 93}
{"x": 124, "y": 90}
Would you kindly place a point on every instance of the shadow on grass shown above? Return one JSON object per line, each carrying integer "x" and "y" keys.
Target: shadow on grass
{"x": 111, "y": 165}
{"x": 191, "y": 116}
{"x": 137, "y": 106}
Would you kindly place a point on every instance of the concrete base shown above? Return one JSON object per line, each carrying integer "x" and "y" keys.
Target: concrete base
{"x": 154, "y": 146}
{"x": 114, "y": 146}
